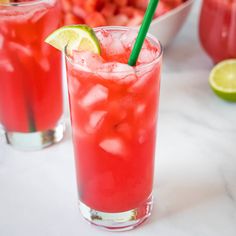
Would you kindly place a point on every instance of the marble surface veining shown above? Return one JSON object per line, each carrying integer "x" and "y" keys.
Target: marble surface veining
{"x": 195, "y": 190}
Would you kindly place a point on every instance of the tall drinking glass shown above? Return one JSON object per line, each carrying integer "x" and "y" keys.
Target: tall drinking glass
{"x": 114, "y": 115}
{"x": 31, "y": 103}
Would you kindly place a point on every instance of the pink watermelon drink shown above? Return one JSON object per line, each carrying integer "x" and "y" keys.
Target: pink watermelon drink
{"x": 30, "y": 74}
{"x": 217, "y": 29}
{"x": 114, "y": 114}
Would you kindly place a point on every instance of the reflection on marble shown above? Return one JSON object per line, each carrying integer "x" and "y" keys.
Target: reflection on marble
{"x": 195, "y": 190}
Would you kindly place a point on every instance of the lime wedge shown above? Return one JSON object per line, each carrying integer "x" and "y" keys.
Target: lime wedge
{"x": 223, "y": 80}
{"x": 75, "y": 37}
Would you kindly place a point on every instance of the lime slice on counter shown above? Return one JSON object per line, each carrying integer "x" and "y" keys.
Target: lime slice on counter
{"x": 223, "y": 80}
{"x": 75, "y": 37}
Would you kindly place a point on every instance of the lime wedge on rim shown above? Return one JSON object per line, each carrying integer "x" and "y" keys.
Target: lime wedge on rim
{"x": 74, "y": 37}
{"x": 223, "y": 80}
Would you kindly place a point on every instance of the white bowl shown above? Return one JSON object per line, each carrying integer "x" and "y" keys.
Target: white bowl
{"x": 166, "y": 27}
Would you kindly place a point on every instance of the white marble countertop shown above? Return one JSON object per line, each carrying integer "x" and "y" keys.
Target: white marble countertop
{"x": 195, "y": 166}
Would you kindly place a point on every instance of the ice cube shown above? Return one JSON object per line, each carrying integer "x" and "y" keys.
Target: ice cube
{"x": 78, "y": 132}
{"x": 128, "y": 38}
{"x": 142, "y": 136}
{"x": 114, "y": 146}
{"x": 38, "y": 15}
{"x": 104, "y": 37}
{"x": 73, "y": 84}
{"x": 123, "y": 69}
{"x": 1, "y": 41}
{"x": 51, "y": 3}
{"x": 121, "y": 73}
{"x": 44, "y": 64}
{"x": 115, "y": 47}
{"x": 23, "y": 15}
{"x": 148, "y": 45}
{"x": 18, "y": 47}
{"x": 141, "y": 81}
{"x": 140, "y": 108}
{"x": 32, "y": 13}
{"x": 7, "y": 31}
{"x": 96, "y": 118}
{"x": 96, "y": 94}
{"x": 124, "y": 129}
{"x": 146, "y": 56}
{"x": 6, "y": 65}
{"x": 87, "y": 60}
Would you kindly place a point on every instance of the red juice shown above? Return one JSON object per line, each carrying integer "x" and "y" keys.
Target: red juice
{"x": 30, "y": 70}
{"x": 217, "y": 29}
{"x": 114, "y": 113}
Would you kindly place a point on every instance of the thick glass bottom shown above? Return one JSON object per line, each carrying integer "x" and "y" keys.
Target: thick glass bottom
{"x": 36, "y": 140}
{"x": 120, "y": 221}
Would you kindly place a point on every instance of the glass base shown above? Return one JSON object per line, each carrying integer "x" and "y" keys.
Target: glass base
{"x": 121, "y": 221}
{"x": 36, "y": 140}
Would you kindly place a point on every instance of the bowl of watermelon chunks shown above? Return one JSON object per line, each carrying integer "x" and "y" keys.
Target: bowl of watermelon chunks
{"x": 168, "y": 20}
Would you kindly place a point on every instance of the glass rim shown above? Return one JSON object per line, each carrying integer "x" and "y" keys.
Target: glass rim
{"x": 124, "y": 28}
{"x": 22, "y": 4}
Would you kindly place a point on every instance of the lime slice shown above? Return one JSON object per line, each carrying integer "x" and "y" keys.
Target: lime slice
{"x": 223, "y": 80}
{"x": 75, "y": 37}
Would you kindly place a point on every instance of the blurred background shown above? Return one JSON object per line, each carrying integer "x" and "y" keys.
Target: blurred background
{"x": 195, "y": 185}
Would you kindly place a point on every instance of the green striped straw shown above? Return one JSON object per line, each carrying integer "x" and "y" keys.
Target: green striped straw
{"x": 143, "y": 32}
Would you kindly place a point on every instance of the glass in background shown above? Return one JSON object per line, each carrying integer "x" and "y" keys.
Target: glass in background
{"x": 217, "y": 29}
{"x": 31, "y": 98}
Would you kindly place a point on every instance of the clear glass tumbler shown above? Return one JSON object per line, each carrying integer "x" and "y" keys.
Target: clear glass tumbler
{"x": 114, "y": 116}
{"x": 31, "y": 101}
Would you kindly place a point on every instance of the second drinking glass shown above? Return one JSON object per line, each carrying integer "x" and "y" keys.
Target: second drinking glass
{"x": 217, "y": 29}
{"x": 31, "y": 103}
